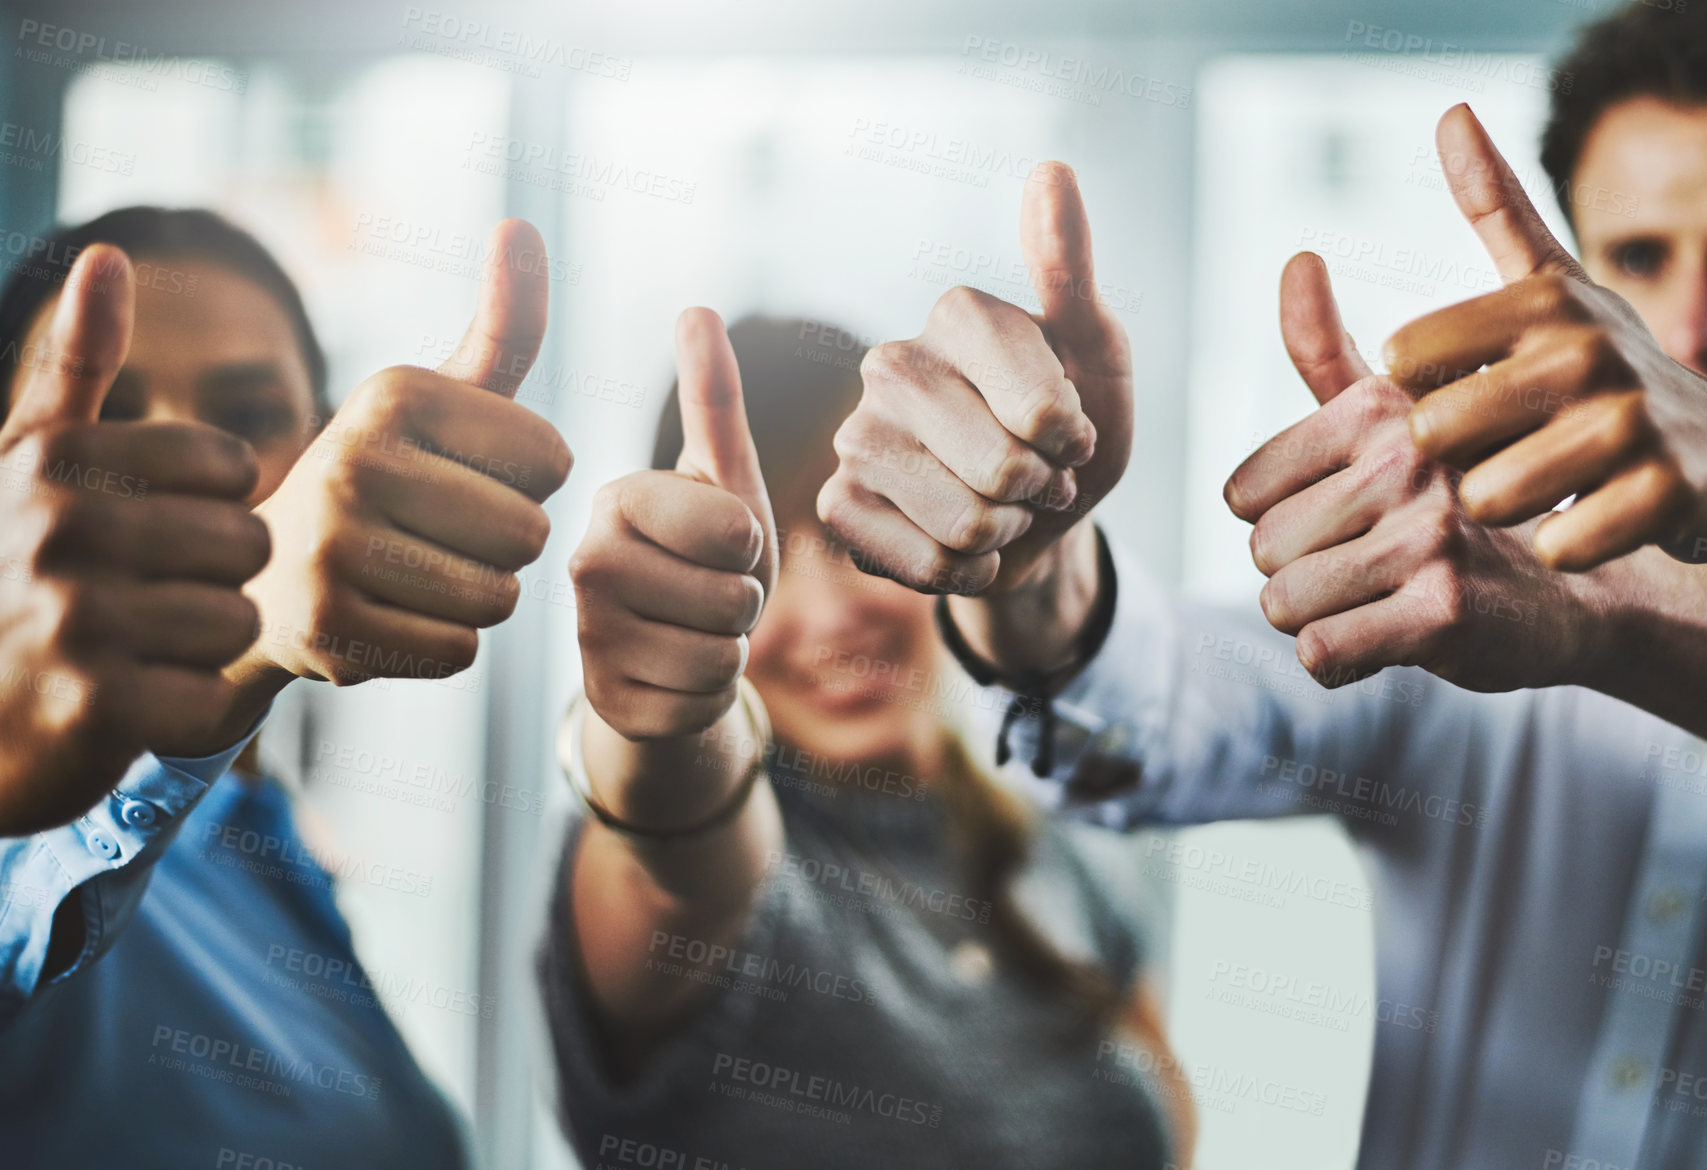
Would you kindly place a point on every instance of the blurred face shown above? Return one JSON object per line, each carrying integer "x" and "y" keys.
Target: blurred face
{"x": 1642, "y": 217}
{"x": 225, "y": 355}
{"x": 846, "y": 662}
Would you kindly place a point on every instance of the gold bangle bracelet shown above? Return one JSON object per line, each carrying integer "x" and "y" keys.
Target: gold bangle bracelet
{"x": 573, "y": 762}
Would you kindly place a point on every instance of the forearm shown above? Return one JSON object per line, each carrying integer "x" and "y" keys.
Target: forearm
{"x": 1035, "y": 626}
{"x": 695, "y": 893}
{"x": 1653, "y": 652}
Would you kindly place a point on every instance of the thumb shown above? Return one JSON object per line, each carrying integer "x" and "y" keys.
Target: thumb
{"x": 1321, "y": 350}
{"x": 509, "y": 323}
{"x": 1491, "y": 198}
{"x": 717, "y": 446}
{"x": 86, "y": 344}
{"x": 1055, "y": 242}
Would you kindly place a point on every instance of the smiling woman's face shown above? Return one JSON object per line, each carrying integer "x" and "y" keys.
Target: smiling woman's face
{"x": 219, "y": 350}
{"x": 848, "y": 664}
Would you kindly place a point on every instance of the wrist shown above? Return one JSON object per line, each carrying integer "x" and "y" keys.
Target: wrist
{"x": 1648, "y": 645}
{"x": 252, "y": 689}
{"x": 1035, "y": 626}
{"x": 668, "y": 783}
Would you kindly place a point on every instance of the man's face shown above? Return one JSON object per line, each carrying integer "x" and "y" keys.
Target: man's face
{"x": 1641, "y": 217}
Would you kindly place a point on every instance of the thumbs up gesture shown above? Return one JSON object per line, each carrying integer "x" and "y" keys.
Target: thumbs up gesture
{"x": 1371, "y": 558}
{"x": 1553, "y": 386}
{"x": 399, "y": 532}
{"x": 123, "y": 547}
{"x": 978, "y": 445}
{"x": 676, "y": 565}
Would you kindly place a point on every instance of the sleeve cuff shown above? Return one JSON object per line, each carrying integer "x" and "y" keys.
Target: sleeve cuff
{"x": 1112, "y": 713}
{"x": 104, "y": 857}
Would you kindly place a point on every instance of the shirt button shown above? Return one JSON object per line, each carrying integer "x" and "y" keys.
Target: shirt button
{"x": 1625, "y": 1073}
{"x": 103, "y": 846}
{"x": 971, "y": 962}
{"x": 1665, "y": 905}
{"x": 138, "y": 814}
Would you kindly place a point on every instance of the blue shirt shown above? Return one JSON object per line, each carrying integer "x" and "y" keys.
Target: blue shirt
{"x": 216, "y": 1014}
{"x": 1539, "y": 863}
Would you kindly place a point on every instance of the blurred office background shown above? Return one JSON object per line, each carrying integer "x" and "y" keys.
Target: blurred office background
{"x": 841, "y": 161}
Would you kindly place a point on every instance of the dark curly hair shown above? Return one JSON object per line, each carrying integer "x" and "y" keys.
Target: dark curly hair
{"x": 154, "y": 233}
{"x": 1648, "y": 48}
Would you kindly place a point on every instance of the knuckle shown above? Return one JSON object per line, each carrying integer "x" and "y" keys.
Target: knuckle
{"x": 329, "y": 610}
{"x": 1363, "y": 407}
{"x": 1439, "y": 600}
{"x": 1371, "y": 402}
{"x": 1392, "y": 400}
{"x": 857, "y": 440}
{"x": 975, "y": 530}
{"x": 587, "y": 569}
{"x": 386, "y": 399}
{"x": 1014, "y": 474}
{"x": 890, "y": 363}
{"x": 1446, "y": 609}
{"x": 1602, "y": 358}
{"x": 345, "y": 475}
{"x": 959, "y": 304}
{"x": 615, "y": 706}
{"x": 1437, "y": 531}
{"x": 1394, "y": 468}
{"x": 1576, "y": 352}
{"x": 610, "y": 503}
{"x": 837, "y": 506}
{"x": 1550, "y": 294}
{"x": 1623, "y": 425}
{"x": 941, "y": 571}
{"x": 1048, "y": 407}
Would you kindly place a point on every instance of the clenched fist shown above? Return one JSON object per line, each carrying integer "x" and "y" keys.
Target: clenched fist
{"x": 676, "y": 565}
{"x": 980, "y": 443}
{"x": 123, "y": 549}
{"x": 1371, "y": 558}
{"x": 399, "y": 532}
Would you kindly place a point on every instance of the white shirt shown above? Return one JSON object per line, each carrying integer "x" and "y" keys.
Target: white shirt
{"x": 1539, "y": 860}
